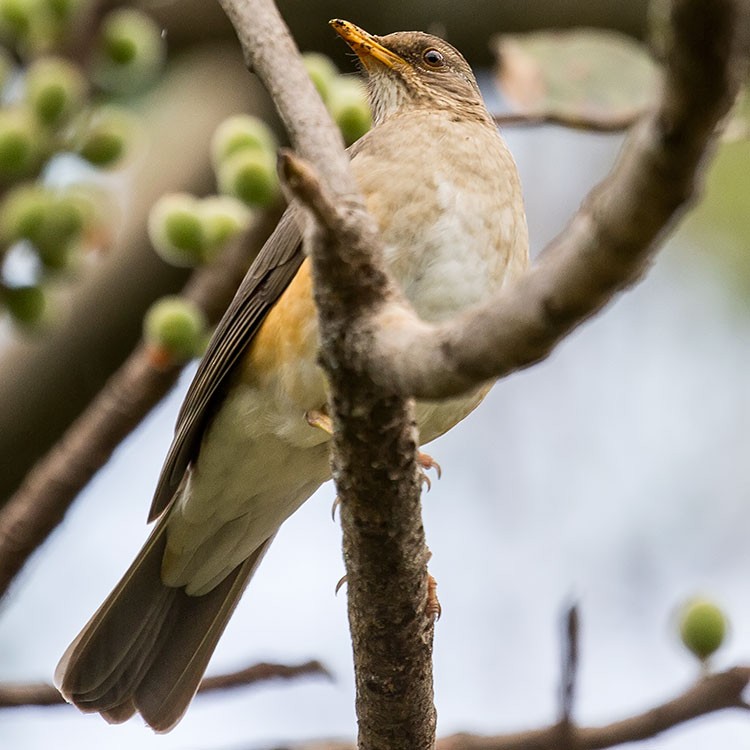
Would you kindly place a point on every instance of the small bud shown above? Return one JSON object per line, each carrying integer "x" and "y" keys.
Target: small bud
{"x": 250, "y": 176}
{"x": 26, "y": 304}
{"x": 703, "y": 627}
{"x": 131, "y": 51}
{"x": 175, "y": 227}
{"x": 16, "y": 15}
{"x": 65, "y": 11}
{"x": 240, "y": 133}
{"x": 22, "y": 210}
{"x": 349, "y": 108}
{"x": 7, "y": 67}
{"x": 223, "y": 219}
{"x": 103, "y": 139}
{"x": 20, "y": 143}
{"x": 322, "y": 72}
{"x": 55, "y": 90}
{"x": 175, "y": 327}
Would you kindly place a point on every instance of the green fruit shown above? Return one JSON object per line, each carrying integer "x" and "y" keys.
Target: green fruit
{"x": 322, "y": 72}
{"x": 177, "y": 326}
{"x": 22, "y": 210}
{"x": 25, "y": 303}
{"x": 20, "y": 143}
{"x": 223, "y": 219}
{"x": 104, "y": 138}
{"x": 66, "y": 10}
{"x": 250, "y": 176}
{"x": 240, "y": 133}
{"x": 175, "y": 227}
{"x": 703, "y": 627}
{"x": 132, "y": 51}
{"x": 7, "y": 67}
{"x": 58, "y": 256}
{"x": 53, "y": 222}
{"x": 348, "y": 106}
{"x": 55, "y": 89}
{"x": 16, "y": 16}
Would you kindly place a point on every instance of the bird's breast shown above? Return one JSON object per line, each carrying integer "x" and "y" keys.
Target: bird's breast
{"x": 450, "y": 211}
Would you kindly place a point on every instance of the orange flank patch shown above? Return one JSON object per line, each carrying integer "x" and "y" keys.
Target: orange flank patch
{"x": 288, "y": 333}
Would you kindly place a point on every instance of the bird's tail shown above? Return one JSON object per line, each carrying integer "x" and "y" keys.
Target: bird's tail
{"x": 147, "y": 647}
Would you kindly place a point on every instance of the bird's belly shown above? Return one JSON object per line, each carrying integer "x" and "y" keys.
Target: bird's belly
{"x": 249, "y": 478}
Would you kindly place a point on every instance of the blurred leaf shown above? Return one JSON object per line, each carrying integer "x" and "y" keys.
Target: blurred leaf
{"x": 738, "y": 124}
{"x": 583, "y": 73}
{"x": 720, "y": 224}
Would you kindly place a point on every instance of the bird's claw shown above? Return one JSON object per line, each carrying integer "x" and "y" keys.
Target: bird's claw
{"x": 433, "y": 608}
{"x": 319, "y": 419}
{"x": 425, "y": 463}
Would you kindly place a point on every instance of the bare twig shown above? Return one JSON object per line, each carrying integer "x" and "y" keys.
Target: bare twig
{"x": 42, "y": 694}
{"x": 48, "y": 490}
{"x": 569, "y": 664}
{"x": 589, "y": 123}
{"x": 710, "y": 694}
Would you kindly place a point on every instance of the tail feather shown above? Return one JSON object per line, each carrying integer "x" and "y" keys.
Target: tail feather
{"x": 147, "y": 646}
{"x": 167, "y": 689}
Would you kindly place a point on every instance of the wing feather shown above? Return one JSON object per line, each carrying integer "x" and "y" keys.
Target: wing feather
{"x": 265, "y": 281}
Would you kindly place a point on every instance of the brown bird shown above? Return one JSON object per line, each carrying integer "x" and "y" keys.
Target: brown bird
{"x": 247, "y": 453}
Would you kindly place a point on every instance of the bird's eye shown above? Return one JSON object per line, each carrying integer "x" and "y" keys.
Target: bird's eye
{"x": 434, "y": 58}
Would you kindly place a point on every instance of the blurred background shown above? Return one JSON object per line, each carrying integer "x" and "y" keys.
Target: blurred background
{"x": 614, "y": 474}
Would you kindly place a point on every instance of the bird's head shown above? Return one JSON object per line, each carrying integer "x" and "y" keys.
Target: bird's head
{"x": 409, "y": 69}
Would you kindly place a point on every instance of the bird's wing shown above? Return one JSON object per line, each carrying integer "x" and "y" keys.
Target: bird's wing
{"x": 265, "y": 281}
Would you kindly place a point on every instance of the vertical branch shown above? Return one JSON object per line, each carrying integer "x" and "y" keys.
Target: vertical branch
{"x": 375, "y": 438}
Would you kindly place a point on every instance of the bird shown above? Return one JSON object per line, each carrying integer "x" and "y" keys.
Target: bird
{"x": 248, "y": 447}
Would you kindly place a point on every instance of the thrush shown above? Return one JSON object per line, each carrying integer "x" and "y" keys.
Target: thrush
{"x": 444, "y": 190}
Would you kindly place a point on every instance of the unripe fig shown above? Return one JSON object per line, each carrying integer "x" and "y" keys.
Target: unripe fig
{"x": 55, "y": 90}
{"x": 240, "y": 133}
{"x": 175, "y": 327}
{"x": 348, "y": 105}
{"x": 131, "y": 51}
{"x": 175, "y": 227}
{"x": 20, "y": 143}
{"x": 251, "y": 176}
{"x": 322, "y": 71}
{"x": 703, "y": 627}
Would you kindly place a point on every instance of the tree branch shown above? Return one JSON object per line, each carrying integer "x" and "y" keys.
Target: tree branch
{"x": 49, "y": 489}
{"x": 586, "y": 122}
{"x": 710, "y": 694}
{"x": 608, "y": 243}
{"x": 375, "y": 440}
{"x": 41, "y": 694}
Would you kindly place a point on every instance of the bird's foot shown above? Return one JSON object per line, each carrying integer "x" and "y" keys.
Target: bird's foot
{"x": 425, "y": 463}
{"x": 432, "y": 605}
{"x": 318, "y": 418}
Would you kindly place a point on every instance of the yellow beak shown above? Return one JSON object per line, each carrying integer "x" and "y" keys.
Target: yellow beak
{"x": 365, "y": 45}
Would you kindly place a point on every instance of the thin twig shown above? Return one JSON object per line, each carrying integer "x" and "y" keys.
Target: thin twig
{"x": 710, "y": 694}
{"x": 569, "y": 670}
{"x": 42, "y": 694}
{"x": 589, "y": 123}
